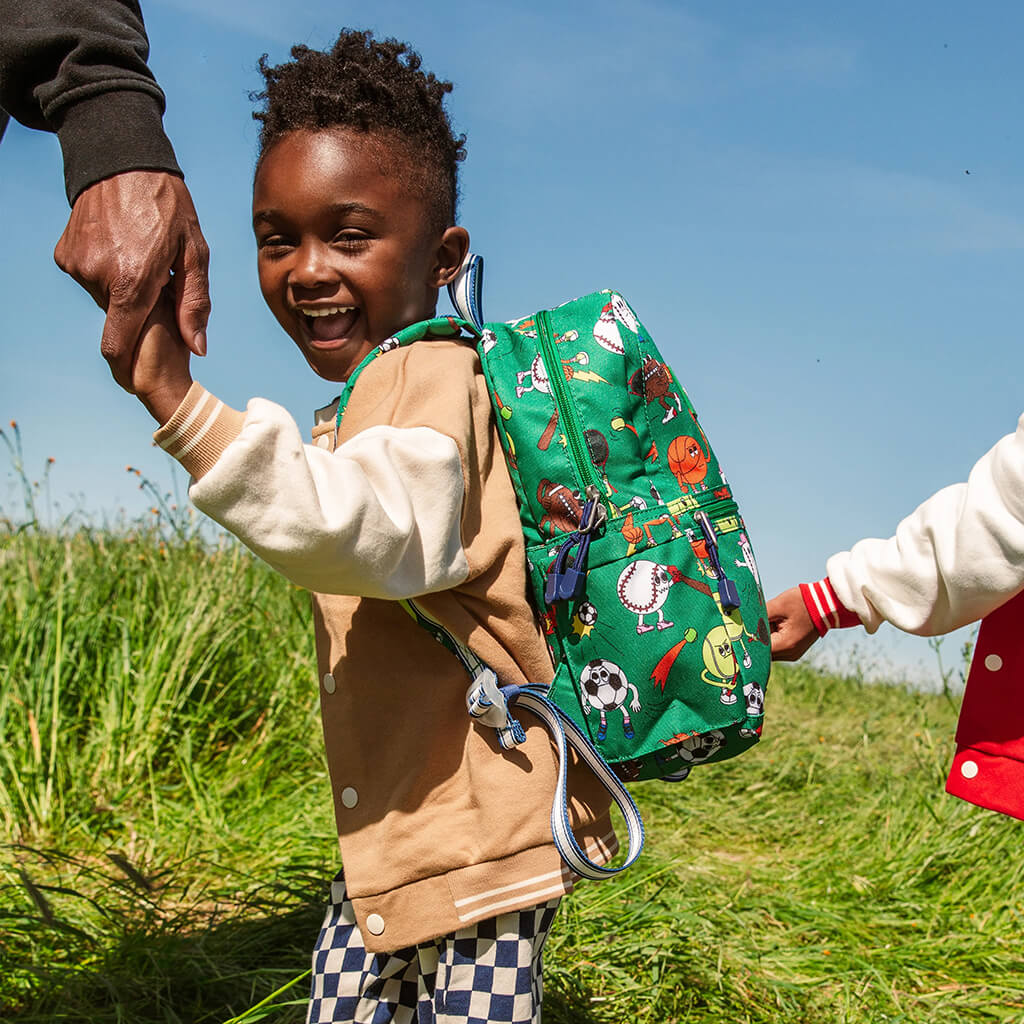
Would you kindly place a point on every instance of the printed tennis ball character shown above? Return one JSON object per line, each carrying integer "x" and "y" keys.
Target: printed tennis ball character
{"x": 688, "y": 463}
{"x": 653, "y": 383}
{"x": 606, "y": 330}
{"x": 720, "y": 665}
{"x": 604, "y": 686}
{"x": 642, "y": 589}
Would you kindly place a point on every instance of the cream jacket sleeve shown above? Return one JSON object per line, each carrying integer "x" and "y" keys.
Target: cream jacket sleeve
{"x": 957, "y": 557}
{"x": 378, "y": 517}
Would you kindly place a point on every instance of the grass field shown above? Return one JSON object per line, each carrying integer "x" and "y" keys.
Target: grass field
{"x": 167, "y": 834}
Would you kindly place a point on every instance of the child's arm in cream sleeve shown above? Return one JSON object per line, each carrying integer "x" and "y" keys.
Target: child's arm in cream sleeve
{"x": 378, "y": 517}
{"x": 953, "y": 560}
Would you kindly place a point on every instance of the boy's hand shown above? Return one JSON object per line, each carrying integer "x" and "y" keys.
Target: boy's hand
{"x": 792, "y": 629}
{"x": 160, "y": 372}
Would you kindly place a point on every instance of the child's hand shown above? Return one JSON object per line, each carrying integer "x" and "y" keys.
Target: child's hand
{"x": 160, "y": 373}
{"x": 792, "y": 629}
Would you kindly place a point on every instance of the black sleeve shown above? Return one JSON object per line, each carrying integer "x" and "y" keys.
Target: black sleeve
{"x": 78, "y": 68}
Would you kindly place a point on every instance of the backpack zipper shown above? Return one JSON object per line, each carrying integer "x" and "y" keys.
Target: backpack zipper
{"x": 577, "y": 445}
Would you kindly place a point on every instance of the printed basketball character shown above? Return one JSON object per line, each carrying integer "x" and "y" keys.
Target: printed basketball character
{"x": 688, "y": 463}
{"x": 562, "y": 507}
{"x": 653, "y": 383}
{"x": 606, "y": 330}
{"x": 643, "y": 587}
{"x": 604, "y": 686}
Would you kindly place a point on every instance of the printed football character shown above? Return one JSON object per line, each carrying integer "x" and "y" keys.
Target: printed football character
{"x": 643, "y": 587}
{"x": 606, "y": 330}
{"x": 653, "y": 383}
{"x": 562, "y": 507}
{"x": 604, "y": 686}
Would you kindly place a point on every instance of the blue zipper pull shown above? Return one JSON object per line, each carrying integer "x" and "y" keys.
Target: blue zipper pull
{"x": 567, "y": 582}
{"x": 728, "y": 592}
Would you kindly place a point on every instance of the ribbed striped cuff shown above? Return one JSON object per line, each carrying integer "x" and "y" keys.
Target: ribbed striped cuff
{"x": 199, "y": 431}
{"x": 825, "y": 609}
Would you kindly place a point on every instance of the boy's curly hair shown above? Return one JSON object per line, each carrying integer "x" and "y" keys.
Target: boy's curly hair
{"x": 365, "y": 85}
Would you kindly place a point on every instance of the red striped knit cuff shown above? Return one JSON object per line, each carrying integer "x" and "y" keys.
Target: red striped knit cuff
{"x": 825, "y": 609}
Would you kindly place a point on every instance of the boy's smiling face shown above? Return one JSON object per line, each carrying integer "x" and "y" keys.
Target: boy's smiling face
{"x": 347, "y": 252}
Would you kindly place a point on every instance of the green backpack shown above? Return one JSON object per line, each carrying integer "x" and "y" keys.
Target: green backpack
{"x": 640, "y": 564}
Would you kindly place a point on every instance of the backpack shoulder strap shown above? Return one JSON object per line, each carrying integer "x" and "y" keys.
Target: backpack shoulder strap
{"x": 437, "y": 328}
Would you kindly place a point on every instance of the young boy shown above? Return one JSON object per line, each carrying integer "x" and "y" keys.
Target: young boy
{"x": 451, "y": 878}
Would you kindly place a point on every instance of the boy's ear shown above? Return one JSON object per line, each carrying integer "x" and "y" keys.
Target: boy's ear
{"x": 451, "y": 253}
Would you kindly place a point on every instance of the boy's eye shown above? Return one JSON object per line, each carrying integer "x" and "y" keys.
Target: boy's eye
{"x": 351, "y": 238}
{"x": 272, "y": 242}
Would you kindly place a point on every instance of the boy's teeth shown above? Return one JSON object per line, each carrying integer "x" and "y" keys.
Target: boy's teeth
{"x": 327, "y": 311}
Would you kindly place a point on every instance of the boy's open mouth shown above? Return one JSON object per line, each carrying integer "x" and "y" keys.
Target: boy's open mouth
{"x": 329, "y": 323}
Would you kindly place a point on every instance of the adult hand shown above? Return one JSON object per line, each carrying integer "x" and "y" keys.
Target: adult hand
{"x": 125, "y": 237}
{"x": 792, "y": 630}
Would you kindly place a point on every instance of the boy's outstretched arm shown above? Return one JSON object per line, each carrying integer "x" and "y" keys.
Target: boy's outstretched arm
{"x": 160, "y": 373}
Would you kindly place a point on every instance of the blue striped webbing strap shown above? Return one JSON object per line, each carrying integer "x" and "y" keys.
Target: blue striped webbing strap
{"x": 488, "y": 703}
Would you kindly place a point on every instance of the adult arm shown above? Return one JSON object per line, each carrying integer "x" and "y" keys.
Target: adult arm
{"x": 957, "y": 557}
{"x": 78, "y": 68}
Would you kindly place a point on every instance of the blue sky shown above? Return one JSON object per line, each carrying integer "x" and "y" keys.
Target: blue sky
{"x": 780, "y": 189}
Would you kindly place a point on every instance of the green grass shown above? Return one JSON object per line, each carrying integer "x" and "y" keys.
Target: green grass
{"x": 167, "y": 832}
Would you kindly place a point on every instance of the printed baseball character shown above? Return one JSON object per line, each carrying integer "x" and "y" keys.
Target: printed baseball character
{"x": 642, "y": 589}
{"x": 606, "y": 330}
{"x": 748, "y": 561}
{"x": 604, "y": 686}
{"x": 562, "y": 507}
{"x": 653, "y": 382}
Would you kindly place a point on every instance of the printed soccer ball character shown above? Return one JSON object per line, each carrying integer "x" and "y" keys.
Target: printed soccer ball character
{"x": 604, "y": 686}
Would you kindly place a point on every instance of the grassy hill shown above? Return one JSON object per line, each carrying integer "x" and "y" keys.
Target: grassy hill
{"x": 167, "y": 835}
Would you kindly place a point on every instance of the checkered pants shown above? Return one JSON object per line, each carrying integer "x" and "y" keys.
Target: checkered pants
{"x": 490, "y": 971}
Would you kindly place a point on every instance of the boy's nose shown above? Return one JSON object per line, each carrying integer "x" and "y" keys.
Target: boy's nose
{"x": 312, "y": 266}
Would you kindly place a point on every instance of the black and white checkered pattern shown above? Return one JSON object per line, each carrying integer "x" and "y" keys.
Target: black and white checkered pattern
{"x": 489, "y": 971}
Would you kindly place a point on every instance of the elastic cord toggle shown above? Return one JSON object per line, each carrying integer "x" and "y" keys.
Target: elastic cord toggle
{"x": 489, "y": 703}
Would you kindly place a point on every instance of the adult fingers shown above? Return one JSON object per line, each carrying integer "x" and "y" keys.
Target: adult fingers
{"x": 121, "y": 332}
{"x": 192, "y": 292}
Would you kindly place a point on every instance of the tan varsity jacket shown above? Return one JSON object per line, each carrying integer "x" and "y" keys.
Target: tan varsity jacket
{"x": 438, "y": 827}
